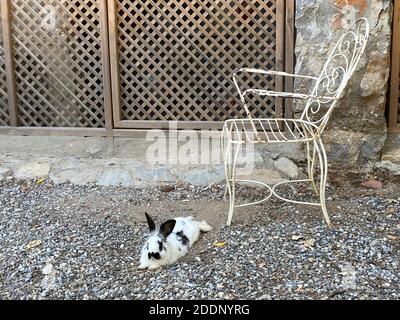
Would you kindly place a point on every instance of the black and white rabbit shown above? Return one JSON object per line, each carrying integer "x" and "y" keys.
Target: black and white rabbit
{"x": 170, "y": 242}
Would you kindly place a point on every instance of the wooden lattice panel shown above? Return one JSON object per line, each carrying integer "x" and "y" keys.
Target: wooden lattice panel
{"x": 176, "y": 58}
{"x": 58, "y": 61}
{"x": 4, "y": 119}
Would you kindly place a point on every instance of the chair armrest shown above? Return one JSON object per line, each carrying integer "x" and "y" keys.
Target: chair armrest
{"x": 273, "y": 73}
{"x": 266, "y": 92}
{"x": 287, "y": 95}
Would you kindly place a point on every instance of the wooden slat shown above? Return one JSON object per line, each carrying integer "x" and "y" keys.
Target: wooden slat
{"x": 9, "y": 61}
{"x": 395, "y": 72}
{"x": 114, "y": 61}
{"x": 106, "y": 64}
{"x": 143, "y": 133}
{"x": 280, "y": 52}
{"x": 54, "y": 131}
{"x": 149, "y": 124}
{"x": 4, "y": 108}
{"x": 289, "y": 50}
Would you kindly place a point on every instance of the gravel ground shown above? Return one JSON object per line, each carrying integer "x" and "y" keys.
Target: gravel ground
{"x": 74, "y": 242}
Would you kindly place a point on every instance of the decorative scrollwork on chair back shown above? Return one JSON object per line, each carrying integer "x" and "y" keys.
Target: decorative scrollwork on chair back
{"x": 337, "y": 71}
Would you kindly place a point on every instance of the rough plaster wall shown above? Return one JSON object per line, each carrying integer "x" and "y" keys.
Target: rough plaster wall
{"x": 357, "y": 129}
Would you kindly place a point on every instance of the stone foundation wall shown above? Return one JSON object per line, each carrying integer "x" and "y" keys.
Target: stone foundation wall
{"x": 357, "y": 130}
{"x": 126, "y": 161}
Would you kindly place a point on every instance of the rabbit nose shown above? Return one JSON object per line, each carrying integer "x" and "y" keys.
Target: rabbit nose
{"x": 157, "y": 256}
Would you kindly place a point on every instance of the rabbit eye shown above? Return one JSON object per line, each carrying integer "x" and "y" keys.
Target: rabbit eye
{"x": 157, "y": 256}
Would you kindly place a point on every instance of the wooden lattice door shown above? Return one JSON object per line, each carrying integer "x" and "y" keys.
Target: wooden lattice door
{"x": 173, "y": 60}
{"x": 54, "y": 64}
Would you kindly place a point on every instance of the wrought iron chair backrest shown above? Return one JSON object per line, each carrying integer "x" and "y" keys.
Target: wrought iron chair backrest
{"x": 337, "y": 72}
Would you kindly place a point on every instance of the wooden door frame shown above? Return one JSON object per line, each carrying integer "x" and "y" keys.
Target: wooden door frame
{"x": 9, "y": 63}
{"x": 394, "y": 126}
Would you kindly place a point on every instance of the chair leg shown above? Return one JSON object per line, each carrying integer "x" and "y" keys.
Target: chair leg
{"x": 227, "y": 165}
{"x": 224, "y": 156}
{"x": 324, "y": 177}
{"x": 311, "y": 167}
{"x": 228, "y": 177}
{"x": 230, "y": 172}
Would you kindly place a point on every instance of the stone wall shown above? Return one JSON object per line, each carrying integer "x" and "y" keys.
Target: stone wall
{"x": 357, "y": 129}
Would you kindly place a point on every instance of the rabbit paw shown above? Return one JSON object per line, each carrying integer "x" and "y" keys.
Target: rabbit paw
{"x": 154, "y": 268}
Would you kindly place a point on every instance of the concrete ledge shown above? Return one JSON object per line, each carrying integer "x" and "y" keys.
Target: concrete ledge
{"x": 123, "y": 161}
{"x": 57, "y": 147}
{"x": 121, "y": 172}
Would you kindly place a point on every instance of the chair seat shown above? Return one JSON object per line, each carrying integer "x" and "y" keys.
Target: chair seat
{"x": 274, "y": 130}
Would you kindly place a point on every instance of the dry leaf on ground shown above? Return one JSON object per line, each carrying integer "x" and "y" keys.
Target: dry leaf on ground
{"x": 309, "y": 243}
{"x": 41, "y": 181}
{"x": 297, "y": 238}
{"x": 221, "y": 244}
{"x": 33, "y": 244}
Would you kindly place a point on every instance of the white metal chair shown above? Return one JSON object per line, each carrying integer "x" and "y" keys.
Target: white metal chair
{"x": 328, "y": 89}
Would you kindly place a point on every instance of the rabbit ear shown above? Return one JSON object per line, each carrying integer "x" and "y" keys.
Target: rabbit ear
{"x": 167, "y": 227}
{"x": 150, "y": 222}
